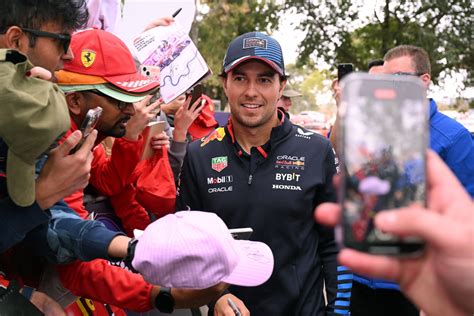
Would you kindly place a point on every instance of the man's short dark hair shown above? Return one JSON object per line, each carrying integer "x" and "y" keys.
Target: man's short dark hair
{"x": 374, "y": 63}
{"x": 68, "y": 14}
{"x": 420, "y": 58}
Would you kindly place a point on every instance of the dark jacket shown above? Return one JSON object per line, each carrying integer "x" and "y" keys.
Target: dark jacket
{"x": 274, "y": 191}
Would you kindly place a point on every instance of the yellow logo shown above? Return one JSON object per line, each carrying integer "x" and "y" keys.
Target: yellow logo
{"x": 218, "y": 134}
{"x": 87, "y": 57}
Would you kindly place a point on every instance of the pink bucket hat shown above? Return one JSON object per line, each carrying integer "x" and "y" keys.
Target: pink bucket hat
{"x": 192, "y": 249}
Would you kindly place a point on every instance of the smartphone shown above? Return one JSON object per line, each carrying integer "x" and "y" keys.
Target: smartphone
{"x": 343, "y": 70}
{"x": 149, "y": 71}
{"x": 241, "y": 233}
{"x": 196, "y": 94}
{"x": 156, "y": 127}
{"x": 383, "y": 141}
{"x": 88, "y": 124}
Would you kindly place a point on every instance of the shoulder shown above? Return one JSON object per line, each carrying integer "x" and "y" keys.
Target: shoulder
{"x": 306, "y": 137}
{"x": 209, "y": 142}
{"x": 444, "y": 128}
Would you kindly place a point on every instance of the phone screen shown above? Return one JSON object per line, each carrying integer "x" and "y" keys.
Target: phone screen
{"x": 343, "y": 70}
{"x": 196, "y": 94}
{"x": 88, "y": 124}
{"x": 384, "y": 139}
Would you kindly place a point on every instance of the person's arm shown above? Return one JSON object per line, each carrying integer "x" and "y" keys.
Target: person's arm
{"x": 109, "y": 175}
{"x": 188, "y": 195}
{"x": 16, "y": 221}
{"x": 131, "y": 213}
{"x": 439, "y": 282}
{"x": 460, "y": 159}
{"x": 176, "y": 155}
{"x": 70, "y": 237}
{"x": 116, "y": 286}
{"x": 65, "y": 173}
{"x": 25, "y": 301}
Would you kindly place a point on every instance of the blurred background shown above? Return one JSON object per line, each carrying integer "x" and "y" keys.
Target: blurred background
{"x": 317, "y": 35}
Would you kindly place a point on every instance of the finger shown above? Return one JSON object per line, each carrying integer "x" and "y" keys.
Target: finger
{"x": 197, "y": 105}
{"x": 328, "y": 214}
{"x": 155, "y": 105}
{"x": 414, "y": 221}
{"x": 370, "y": 265}
{"x": 68, "y": 144}
{"x": 445, "y": 192}
{"x": 186, "y": 103}
{"x": 143, "y": 103}
{"x": 39, "y": 72}
{"x": 336, "y": 180}
{"x": 89, "y": 143}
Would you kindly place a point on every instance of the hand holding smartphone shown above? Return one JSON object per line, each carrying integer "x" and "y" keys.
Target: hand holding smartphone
{"x": 196, "y": 94}
{"x": 384, "y": 138}
{"x": 88, "y": 124}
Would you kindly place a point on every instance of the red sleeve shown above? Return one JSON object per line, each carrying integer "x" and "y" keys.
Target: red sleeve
{"x": 110, "y": 174}
{"x": 99, "y": 281}
{"x": 130, "y": 212}
{"x": 76, "y": 202}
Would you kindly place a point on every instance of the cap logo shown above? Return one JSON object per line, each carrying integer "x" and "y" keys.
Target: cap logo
{"x": 87, "y": 57}
{"x": 253, "y": 42}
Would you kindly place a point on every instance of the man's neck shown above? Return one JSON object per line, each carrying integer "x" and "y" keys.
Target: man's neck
{"x": 253, "y": 137}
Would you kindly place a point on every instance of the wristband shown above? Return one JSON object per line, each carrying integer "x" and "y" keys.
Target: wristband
{"x": 130, "y": 254}
{"x": 27, "y": 292}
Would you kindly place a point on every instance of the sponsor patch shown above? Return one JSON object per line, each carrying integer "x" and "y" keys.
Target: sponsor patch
{"x": 301, "y": 133}
{"x": 255, "y": 42}
{"x": 290, "y": 162}
{"x": 220, "y": 180}
{"x": 88, "y": 57}
{"x": 286, "y": 187}
{"x": 219, "y": 163}
{"x": 217, "y": 134}
{"x": 287, "y": 177}
{"x": 220, "y": 189}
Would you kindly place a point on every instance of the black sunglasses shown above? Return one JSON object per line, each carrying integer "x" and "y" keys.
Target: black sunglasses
{"x": 120, "y": 104}
{"x": 64, "y": 39}
{"x": 402, "y": 73}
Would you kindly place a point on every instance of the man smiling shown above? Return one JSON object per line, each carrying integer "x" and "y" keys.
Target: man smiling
{"x": 263, "y": 172}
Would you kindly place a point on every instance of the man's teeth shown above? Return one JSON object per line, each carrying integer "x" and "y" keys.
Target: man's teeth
{"x": 251, "y": 106}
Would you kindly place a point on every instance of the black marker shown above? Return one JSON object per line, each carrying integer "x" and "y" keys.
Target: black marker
{"x": 176, "y": 13}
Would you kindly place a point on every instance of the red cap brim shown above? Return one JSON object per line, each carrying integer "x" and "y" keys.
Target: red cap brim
{"x": 133, "y": 83}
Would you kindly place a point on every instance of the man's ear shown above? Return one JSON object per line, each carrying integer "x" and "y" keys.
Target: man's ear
{"x": 75, "y": 102}
{"x": 282, "y": 86}
{"x": 224, "y": 84}
{"x": 426, "y": 78}
{"x": 14, "y": 39}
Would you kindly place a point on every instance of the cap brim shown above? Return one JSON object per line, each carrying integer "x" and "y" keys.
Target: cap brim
{"x": 255, "y": 265}
{"x": 291, "y": 93}
{"x": 20, "y": 180}
{"x": 237, "y": 62}
{"x": 107, "y": 90}
{"x": 133, "y": 83}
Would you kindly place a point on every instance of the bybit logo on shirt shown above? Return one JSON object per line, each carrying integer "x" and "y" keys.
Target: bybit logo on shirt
{"x": 287, "y": 177}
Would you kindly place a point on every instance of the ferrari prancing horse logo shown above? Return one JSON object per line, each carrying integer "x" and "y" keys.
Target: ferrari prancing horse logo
{"x": 87, "y": 57}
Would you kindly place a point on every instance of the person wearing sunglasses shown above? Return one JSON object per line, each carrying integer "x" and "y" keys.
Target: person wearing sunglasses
{"x": 448, "y": 138}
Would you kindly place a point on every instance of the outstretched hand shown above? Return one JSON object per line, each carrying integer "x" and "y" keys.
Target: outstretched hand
{"x": 440, "y": 282}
